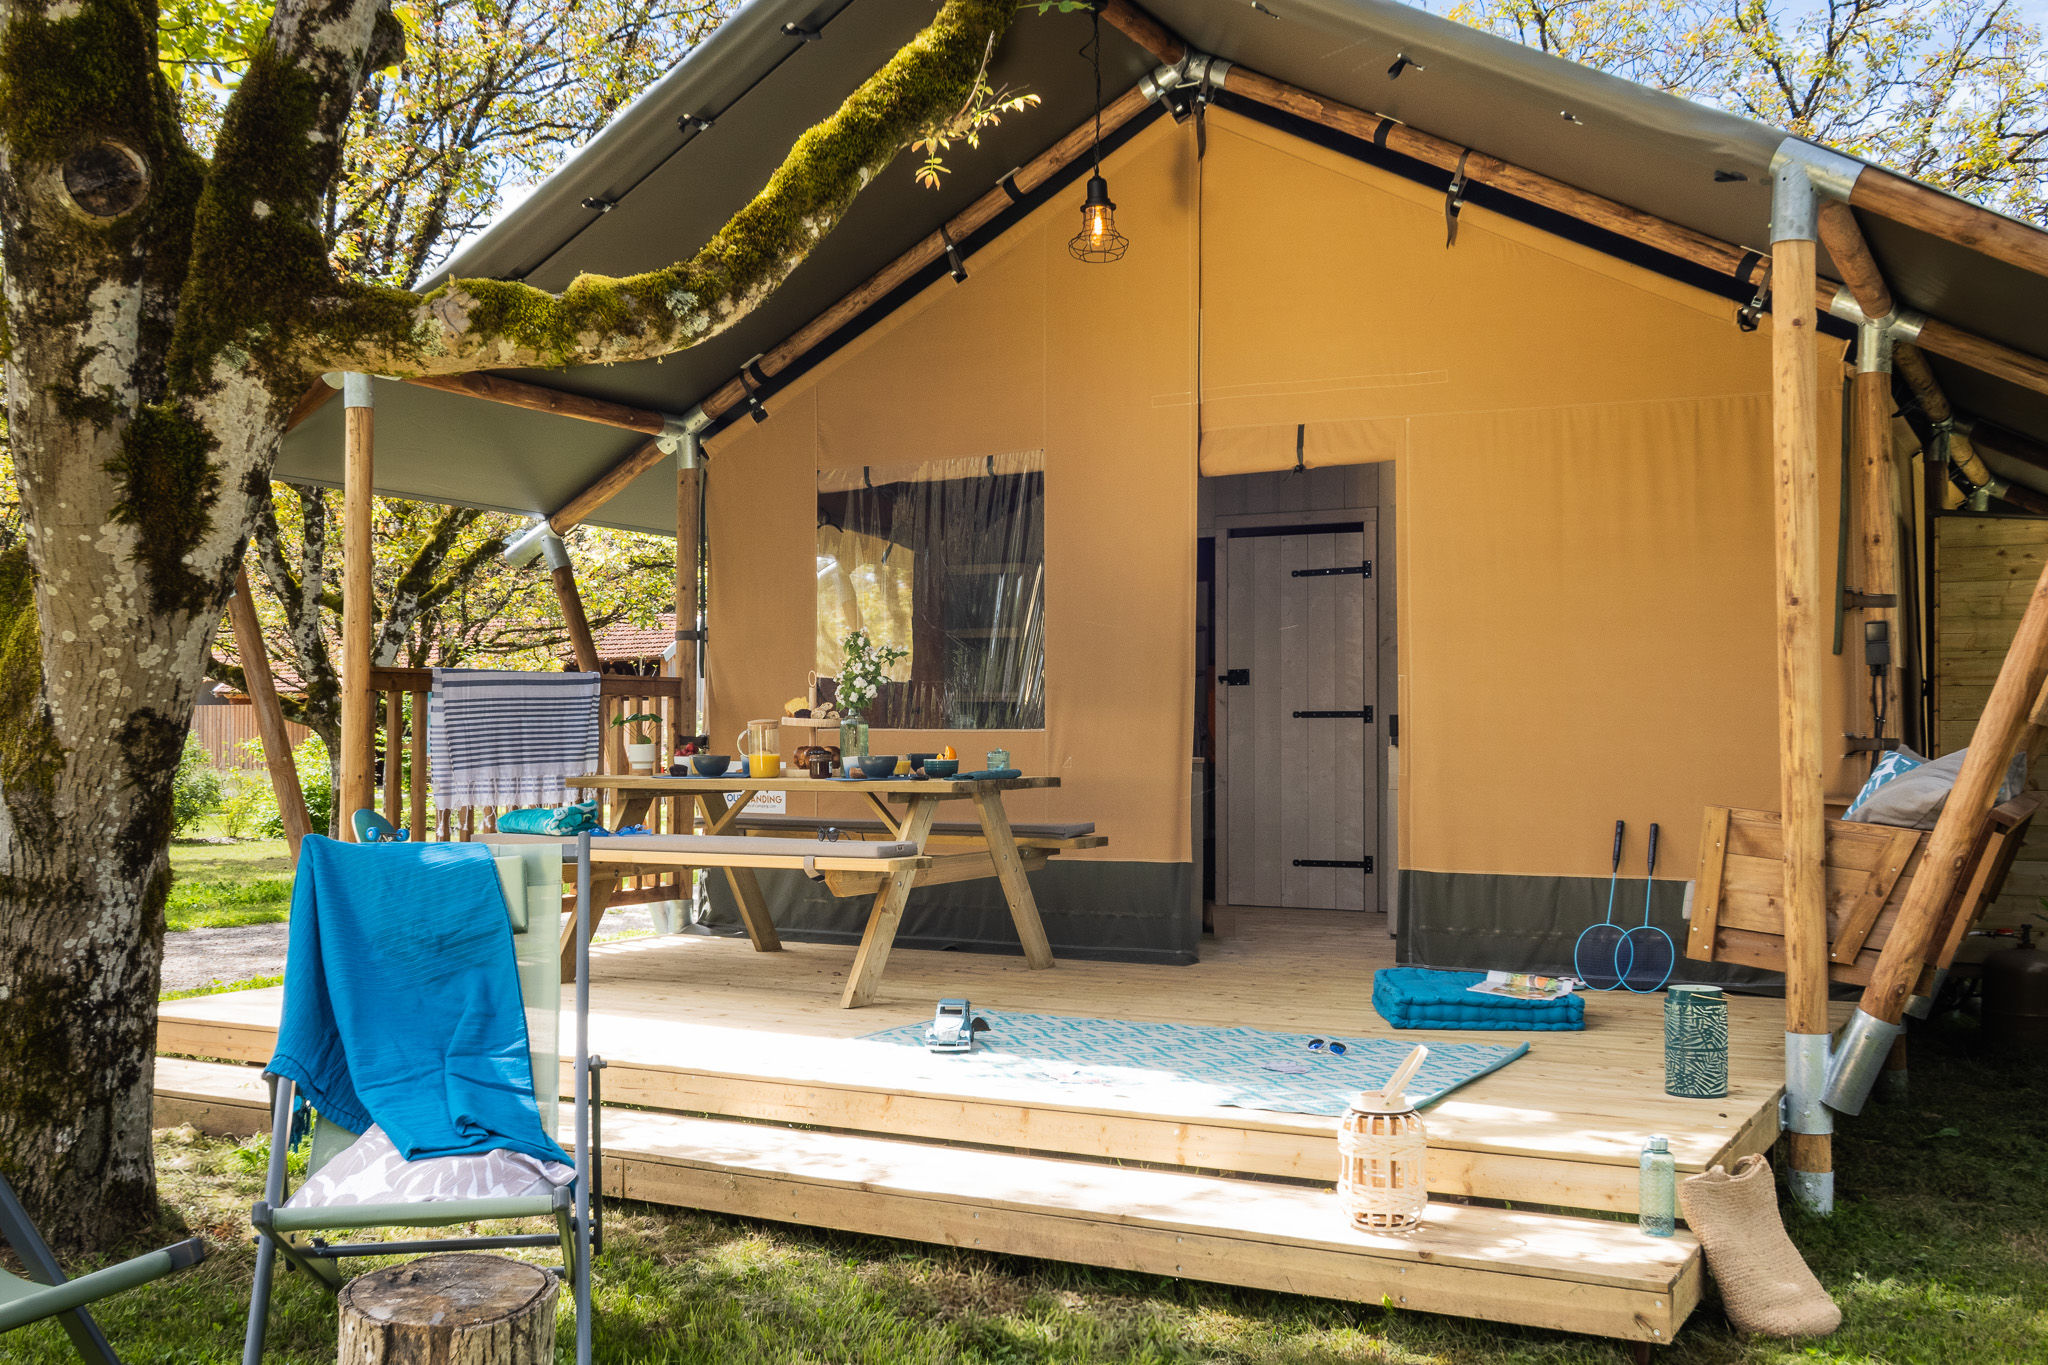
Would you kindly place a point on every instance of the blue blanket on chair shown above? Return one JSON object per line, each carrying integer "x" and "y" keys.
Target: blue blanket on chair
{"x": 401, "y": 999}
{"x": 1417, "y": 997}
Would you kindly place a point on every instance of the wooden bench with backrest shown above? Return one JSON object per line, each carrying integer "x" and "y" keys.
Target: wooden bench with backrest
{"x": 1737, "y": 913}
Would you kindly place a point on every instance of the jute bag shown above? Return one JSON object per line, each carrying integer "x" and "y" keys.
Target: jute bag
{"x": 1765, "y": 1286}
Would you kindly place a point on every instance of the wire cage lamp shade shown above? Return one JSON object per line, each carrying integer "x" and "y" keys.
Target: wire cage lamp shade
{"x": 1098, "y": 240}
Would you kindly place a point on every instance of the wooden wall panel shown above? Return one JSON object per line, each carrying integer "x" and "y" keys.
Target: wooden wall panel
{"x": 1985, "y": 568}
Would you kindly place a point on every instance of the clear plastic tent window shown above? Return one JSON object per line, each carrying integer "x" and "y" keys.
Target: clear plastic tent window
{"x": 944, "y": 560}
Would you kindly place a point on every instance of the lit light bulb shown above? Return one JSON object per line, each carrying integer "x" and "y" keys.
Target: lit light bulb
{"x": 1098, "y": 239}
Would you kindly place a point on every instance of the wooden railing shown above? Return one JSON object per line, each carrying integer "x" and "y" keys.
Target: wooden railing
{"x": 400, "y": 697}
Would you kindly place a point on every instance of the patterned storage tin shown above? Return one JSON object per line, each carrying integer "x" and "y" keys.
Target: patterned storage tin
{"x": 1696, "y": 1042}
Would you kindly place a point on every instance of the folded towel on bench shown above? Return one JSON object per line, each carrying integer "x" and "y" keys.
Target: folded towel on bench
{"x": 1417, "y": 997}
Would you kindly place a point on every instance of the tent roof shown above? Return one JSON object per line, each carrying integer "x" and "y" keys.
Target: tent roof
{"x": 762, "y": 85}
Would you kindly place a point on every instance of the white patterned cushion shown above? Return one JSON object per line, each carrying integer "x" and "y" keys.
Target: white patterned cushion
{"x": 371, "y": 1171}
{"x": 1913, "y": 799}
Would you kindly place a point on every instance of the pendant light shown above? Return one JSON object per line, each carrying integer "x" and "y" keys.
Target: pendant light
{"x": 1098, "y": 240}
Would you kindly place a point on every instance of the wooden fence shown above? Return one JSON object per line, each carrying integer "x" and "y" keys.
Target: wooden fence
{"x": 223, "y": 729}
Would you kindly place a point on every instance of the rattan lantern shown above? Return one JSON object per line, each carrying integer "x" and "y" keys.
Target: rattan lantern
{"x": 1382, "y": 1156}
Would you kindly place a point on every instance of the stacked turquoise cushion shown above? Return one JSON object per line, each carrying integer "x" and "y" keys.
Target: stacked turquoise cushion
{"x": 1418, "y": 997}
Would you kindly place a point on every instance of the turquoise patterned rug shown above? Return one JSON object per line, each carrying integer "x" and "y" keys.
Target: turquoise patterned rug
{"x": 1245, "y": 1068}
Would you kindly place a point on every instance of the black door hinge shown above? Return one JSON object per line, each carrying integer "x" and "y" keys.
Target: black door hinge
{"x": 1362, "y": 864}
{"x": 1365, "y": 715}
{"x": 1237, "y": 677}
{"x": 1362, "y": 570}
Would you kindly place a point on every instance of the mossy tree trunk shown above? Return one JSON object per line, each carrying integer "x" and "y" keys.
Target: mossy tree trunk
{"x": 162, "y": 316}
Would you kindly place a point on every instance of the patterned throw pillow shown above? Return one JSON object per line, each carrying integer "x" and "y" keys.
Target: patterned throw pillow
{"x": 1891, "y": 767}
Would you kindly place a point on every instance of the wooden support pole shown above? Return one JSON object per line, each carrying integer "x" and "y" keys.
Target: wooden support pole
{"x": 1795, "y": 429}
{"x": 394, "y": 756}
{"x": 1796, "y": 442}
{"x": 1851, "y": 254}
{"x": 689, "y": 556}
{"x": 417, "y": 781}
{"x": 358, "y": 716}
{"x": 1999, "y": 733}
{"x": 1877, "y": 519}
{"x": 564, "y": 576}
{"x": 262, "y": 686}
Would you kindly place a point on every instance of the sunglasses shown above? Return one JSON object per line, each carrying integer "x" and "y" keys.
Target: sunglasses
{"x": 1329, "y": 1045}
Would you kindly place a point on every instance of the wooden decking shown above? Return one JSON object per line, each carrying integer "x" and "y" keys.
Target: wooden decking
{"x": 702, "y": 1026}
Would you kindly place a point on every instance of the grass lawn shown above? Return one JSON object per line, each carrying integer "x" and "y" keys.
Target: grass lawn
{"x": 217, "y": 885}
{"x": 1938, "y": 1255}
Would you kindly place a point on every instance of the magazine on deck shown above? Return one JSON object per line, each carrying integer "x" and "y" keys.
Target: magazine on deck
{"x": 1524, "y": 986}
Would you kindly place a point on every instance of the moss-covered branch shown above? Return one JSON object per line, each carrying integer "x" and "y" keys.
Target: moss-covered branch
{"x": 471, "y": 324}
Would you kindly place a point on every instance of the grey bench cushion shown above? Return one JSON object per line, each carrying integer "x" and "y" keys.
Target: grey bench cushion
{"x": 740, "y": 843}
{"x": 1073, "y": 829}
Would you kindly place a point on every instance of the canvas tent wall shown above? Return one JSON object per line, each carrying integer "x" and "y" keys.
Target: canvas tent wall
{"x": 1581, "y": 449}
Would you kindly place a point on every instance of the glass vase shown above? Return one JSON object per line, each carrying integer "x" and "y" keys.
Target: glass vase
{"x": 853, "y": 737}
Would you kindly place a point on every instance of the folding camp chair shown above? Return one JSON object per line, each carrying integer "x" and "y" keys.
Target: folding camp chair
{"x": 531, "y": 876}
{"x": 49, "y": 1295}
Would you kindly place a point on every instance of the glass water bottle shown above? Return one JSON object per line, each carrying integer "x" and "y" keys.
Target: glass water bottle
{"x": 1657, "y": 1190}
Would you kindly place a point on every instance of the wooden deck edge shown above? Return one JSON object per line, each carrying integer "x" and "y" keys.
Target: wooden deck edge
{"x": 226, "y": 1100}
{"x": 1555, "y": 1181}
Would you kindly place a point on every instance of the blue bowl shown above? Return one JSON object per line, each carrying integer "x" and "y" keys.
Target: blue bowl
{"x": 711, "y": 765}
{"x": 878, "y": 765}
{"x": 941, "y": 767}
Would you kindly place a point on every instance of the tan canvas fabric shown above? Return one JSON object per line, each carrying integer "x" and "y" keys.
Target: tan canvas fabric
{"x": 1765, "y": 1286}
{"x": 1581, "y": 457}
{"x": 1035, "y": 352}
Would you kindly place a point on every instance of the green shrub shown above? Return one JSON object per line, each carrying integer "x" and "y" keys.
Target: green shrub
{"x": 316, "y": 781}
{"x": 195, "y": 791}
{"x": 248, "y": 805}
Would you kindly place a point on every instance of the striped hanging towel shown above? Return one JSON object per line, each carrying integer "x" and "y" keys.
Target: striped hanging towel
{"x": 510, "y": 739}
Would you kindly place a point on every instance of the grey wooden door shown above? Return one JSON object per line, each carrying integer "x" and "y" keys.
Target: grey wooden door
{"x": 1298, "y": 714}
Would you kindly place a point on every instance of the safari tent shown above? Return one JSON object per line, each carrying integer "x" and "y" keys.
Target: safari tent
{"x": 1543, "y": 404}
{"x": 1470, "y": 450}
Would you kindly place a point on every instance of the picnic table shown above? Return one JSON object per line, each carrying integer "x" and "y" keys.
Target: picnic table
{"x": 906, "y": 811}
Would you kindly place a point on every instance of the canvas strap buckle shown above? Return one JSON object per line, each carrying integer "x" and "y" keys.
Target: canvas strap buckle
{"x": 1454, "y": 200}
{"x": 956, "y": 267}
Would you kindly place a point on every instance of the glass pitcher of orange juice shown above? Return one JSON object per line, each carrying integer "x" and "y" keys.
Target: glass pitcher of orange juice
{"x": 760, "y": 748}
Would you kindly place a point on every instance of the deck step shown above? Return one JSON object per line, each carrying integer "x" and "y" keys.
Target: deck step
{"x": 1498, "y": 1140}
{"x": 1541, "y": 1270}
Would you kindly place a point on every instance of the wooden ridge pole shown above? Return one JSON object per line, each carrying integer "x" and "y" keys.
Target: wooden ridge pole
{"x": 517, "y": 393}
{"x": 1795, "y": 443}
{"x": 1943, "y": 215}
{"x": 270, "y": 726}
{"x": 358, "y": 718}
{"x": 606, "y": 486}
{"x": 970, "y": 220}
{"x": 1536, "y": 188}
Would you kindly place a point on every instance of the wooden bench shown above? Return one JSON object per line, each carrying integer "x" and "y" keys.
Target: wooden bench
{"x": 815, "y": 858}
{"x": 1048, "y": 836}
{"x": 1738, "y": 914}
